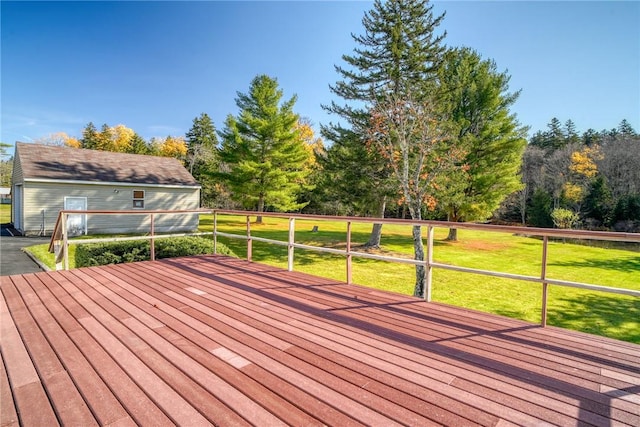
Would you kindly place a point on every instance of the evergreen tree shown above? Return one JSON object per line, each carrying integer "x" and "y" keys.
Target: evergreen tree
{"x": 138, "y": 145}
{"x": 399, "y": 51}
{"x": 202, "y": 142}
{"x": 90, "y": 137}
{"x": 477, "y": 100}
{"x": 358, "y": 177}
{"x": 625, "y": 128}
{"x": 555, "y": 137}
{"x": 263, "y": 150}
{"x": 599, "y": 202}
{"x": 540, "y": 210}
{"x": 591, "y": 137}
{"x": 105, "y": 137}
{"x": 571, "y": 135}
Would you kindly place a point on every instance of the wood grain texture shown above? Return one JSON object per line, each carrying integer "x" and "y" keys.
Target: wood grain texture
{"x": 212, "y": 340}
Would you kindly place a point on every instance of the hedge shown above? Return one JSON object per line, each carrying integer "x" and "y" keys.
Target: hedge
{"x": 92, "y": 254}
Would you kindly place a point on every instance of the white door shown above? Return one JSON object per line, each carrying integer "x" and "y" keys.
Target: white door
{"x": 76, "y": 224}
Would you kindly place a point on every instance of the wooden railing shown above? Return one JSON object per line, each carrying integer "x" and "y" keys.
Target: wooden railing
{"x": 428, "y": 262}
{"x": 60, "y": 241}
{"x": 63, "y": 242}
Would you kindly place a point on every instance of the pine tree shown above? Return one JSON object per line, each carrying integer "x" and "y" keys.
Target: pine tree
{"x": 138, "y": 145}
{"x": 555, "y": 136}
{"x": 571, "y": 135}
{"x": 90, "y": 137}
{"x": 263, "y": 150}
{"x": 599, "y": 202}
{"x": 105, "y": 137}
{"x": 625, "y": 128}
{"x": 477, "y": 100}
{"x": 399, "y": 51}
{"x": 202, "y": 142}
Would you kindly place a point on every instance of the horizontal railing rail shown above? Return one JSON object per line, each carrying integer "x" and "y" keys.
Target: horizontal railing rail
{"x": 428, "y": 262}
{"x": 60, "y": 243}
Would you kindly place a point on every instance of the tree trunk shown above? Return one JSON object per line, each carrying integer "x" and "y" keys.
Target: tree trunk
{"x": 418, "y": 249}
{"x": 260, "y": 209}
{"x": 418, "y": 252}
{"x": 453, "y": 232}
{"x": 376, "y": 231}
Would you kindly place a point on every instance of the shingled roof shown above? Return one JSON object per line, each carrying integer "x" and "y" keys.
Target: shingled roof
{"x": 76, "y": 164}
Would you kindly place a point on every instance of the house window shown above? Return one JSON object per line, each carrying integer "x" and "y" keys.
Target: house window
{"x": 138, "y": 199}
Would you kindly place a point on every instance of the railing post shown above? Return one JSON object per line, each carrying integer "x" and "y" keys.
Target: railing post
{"x": 545, "y": 285}
{"x": 215, "y": 232}
{"x": 349, "y": 256}
{"x": 152, "y": 242}
{"x": 249, "y": 241}
{"x": 292, "y": 231}
{"x": 428, "y": 262}
{"x": 65, "y": 241}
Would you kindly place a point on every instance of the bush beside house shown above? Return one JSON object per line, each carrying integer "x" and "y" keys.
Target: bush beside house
{"x": 94, "y": 254}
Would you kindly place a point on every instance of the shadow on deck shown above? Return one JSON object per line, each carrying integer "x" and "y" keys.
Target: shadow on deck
{"x": 215, "y": 340}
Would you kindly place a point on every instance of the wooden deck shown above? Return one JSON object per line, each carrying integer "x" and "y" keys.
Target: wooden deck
{"x": 214, "y": 340}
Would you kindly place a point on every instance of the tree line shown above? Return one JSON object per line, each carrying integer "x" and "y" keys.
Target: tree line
{"x": 423, "y": 130}
{"x": 589, "y": 181}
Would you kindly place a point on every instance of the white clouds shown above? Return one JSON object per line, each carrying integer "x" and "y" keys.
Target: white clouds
{"x": 28, "y": 124}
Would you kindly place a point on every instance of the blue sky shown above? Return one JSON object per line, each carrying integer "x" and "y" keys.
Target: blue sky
{"x": 154, "y": 66}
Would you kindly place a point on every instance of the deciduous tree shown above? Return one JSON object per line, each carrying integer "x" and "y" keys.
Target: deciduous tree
{"x": 416, "y": 145}
{"x": 399, "y": 50}
{"x": 171, "y": 146}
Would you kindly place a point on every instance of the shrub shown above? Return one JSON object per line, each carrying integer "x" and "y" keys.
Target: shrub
{"x": 564, "y": 218}
{"x": 93, "y": 254}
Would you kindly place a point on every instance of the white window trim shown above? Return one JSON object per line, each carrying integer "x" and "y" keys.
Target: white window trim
{"x": 134, "y": 199}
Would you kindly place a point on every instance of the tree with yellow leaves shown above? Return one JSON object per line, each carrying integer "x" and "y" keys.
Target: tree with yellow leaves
{"x": 171, "y": 146}
{"x": 583, "y": 170}
{"x": 58, "y": 138}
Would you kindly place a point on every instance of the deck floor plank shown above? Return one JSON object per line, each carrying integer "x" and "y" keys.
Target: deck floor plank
{"x": 516, "y": 392}
{"x": 212, "y": 340}
{"x": 561, "y": 409}
{"x": 255, "y": 390}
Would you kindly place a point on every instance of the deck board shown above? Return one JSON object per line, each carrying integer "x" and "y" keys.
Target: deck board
{"x": 213, "y": 340}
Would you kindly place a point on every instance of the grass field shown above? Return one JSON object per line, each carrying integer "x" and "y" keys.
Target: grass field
{"x": 5, "y": 214}
{"x": 600, "y": 313}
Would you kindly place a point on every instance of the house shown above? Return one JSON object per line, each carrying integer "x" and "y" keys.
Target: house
{"x": 5, "y": 195}
{"x": 47, "y": 179}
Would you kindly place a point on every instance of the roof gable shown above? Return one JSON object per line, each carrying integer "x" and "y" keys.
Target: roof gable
{"x": 77, "y": 164}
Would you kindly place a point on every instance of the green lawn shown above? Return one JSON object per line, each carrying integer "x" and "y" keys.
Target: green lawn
{"x": 600, "y": 313}
{"x": 5, "y": 214}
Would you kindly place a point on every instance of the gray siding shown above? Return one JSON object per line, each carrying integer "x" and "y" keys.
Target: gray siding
{"x": 16, "y": 177}
{"x": 43, "y": 201}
